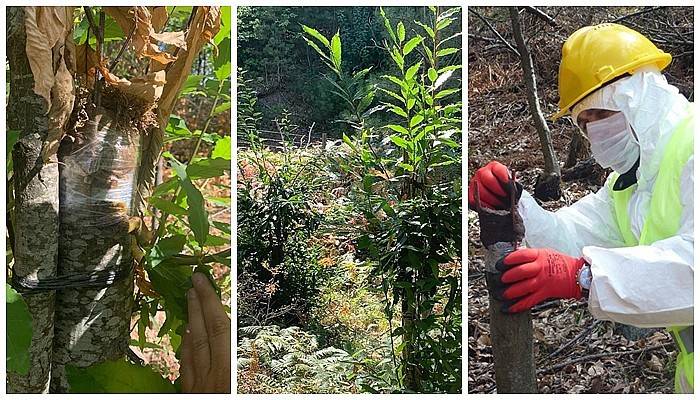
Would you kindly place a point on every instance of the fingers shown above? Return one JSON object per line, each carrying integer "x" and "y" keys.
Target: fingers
{"x": 218, "y": 325}
{"x": 526, "y": 303}
{"x": 499, "y": 171}
{"x": 187, "y": 363}
{"x": 521, "y": 272}
{"x": 486, "y": 197}
{"x": 520, "y": 256}
{"x": 198, "y": 332}
{"x": 487, "y": 179}
{"x": 520, "y": 289}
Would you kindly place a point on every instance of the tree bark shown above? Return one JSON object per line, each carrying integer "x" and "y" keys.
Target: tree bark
{"x": 36, "y": 205}
{"x": 547, "y": 187}
{"x": 511, "y": 334}
{"x": 92, "y": 325}
{"x": 511, "y": 338}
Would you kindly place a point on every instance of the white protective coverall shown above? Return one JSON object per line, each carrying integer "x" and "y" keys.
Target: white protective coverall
{"x": 644, "y": 286}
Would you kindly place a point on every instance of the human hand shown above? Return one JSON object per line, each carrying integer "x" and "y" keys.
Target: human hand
{"x": 527, "y": 277}
{"x": 206, "y": 346}
{"x": 493, "y": 184}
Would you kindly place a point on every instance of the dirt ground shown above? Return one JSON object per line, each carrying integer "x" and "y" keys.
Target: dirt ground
{"x": 574, "y": 353}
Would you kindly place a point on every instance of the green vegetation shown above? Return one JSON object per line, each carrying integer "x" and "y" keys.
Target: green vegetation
{"x": 373, "y": 222}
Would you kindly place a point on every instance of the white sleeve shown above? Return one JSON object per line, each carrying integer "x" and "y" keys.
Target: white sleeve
{"x": 647, "y": 286}
{"x": 588, "y": 222}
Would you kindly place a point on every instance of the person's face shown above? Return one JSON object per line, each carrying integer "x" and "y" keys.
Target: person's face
{"x": 590, "y": 115}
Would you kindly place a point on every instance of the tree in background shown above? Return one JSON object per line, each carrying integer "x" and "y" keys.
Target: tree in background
{"x": 268, "y": 34}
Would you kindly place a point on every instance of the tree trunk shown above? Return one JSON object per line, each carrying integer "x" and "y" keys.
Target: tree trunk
{"x": 96, "y": 187}
{"x": 36, "y": 204}
{"x": 511, "y": 334}
{"x": 547, "y": 187}
{"x": 511, "y": 338}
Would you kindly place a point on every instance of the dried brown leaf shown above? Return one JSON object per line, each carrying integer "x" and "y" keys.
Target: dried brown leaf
{"x": 46, "y": 28}
{"x": 204, "y": 26}
{"x": 173, "y": 38}
{"x": 139, "y": 17}
{"x": 159, "y": 16}
{"x": 148, "y": 88}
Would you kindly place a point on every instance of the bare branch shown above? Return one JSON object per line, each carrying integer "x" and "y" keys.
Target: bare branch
{"x": 634, "y": 14}
{"x": 495, "y": 32}
{"x": 542, "y": 15}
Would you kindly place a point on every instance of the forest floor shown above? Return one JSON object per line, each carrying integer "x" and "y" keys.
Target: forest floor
{"x": 500, "y": 128}
{"x": 347, "y": 319}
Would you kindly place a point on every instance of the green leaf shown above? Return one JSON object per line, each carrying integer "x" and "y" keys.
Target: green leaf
{"x": 197, "y": 215}
{"x": 225, "y": 30}
{"x": 222, "y": 107}
{"x": 432, "y": 74}
{"x": 398, "y": 128}
{"x": 446, "y": 92}
{"x": 400, "y": 32}
{"x": 19, "y": 332}
{"x": 222, "y": 226}
{"x": 208, "y": 168}
{"x": 444, "y": 23}
{"x": 407, "y": 167}
{"x": 366, "y": 101}
{"x": 224, "y": 54}
{"x": 336, "y": 50}
{"x": 411, "y": 44}
{"x": 417, "y": 119}
{"x": 397, "y": 57}
{"x": 220, "y": 201}
{"x": 347, "y": 141}
{"x": 427, "y": 29}
{"x": 217, "y": 241}
{"x": 167, "y": 206}
{"x": 166, "y": 247}
{"x": 172, "y": 281}
{"x": 447, "y": 51}
{"x": 165, "y": 187}
{"x": 398, "y": 111}
{"x": 387, "y": 25}
{"x": 11, "y": 139}
{"x": 116, "y": 377}
{"x": 191, "y": 84}
{"x": 316, "y": 34}
{"x": 318, "y": 49}
{"x": 223, "y": 72}
{"x": 177, "y": 128}
{"x": 222, "y": 149}
{"x": 401, "y": 142}
{"x": 412, "y": 70}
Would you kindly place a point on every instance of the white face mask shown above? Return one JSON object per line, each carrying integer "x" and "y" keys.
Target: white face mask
{"x": 613, "y": 143}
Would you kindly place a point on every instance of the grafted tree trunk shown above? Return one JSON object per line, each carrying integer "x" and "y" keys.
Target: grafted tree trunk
{"x": 36, "y": 205}
{"x": 96, "y": 186}
{"x": 511, "y": 334}
{"x": 547, "y": 187}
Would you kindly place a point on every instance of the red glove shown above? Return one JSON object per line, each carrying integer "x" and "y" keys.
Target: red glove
{"x": 529, "y": 276}
{"x": 492, "y": 181}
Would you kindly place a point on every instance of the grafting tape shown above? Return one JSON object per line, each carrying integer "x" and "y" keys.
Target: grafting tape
{"x": 92, "y": 280}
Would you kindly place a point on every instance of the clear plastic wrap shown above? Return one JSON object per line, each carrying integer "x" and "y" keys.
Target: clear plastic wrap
{"x": 98, "y": 172}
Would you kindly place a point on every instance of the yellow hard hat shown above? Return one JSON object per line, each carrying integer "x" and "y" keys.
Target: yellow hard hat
{"x": 594, "y": 55}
